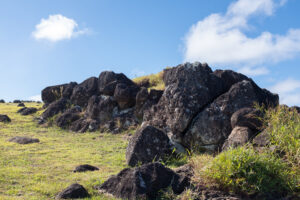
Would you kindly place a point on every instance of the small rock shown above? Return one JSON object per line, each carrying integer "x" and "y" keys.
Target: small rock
{"x": 27, "y": 111}
{"x": 21, "y": 105}
{"x": 2, "y": 101}
{"x": 262, "y": 139}
{"x": 239, "y": 136}
{"x": 23, "y": 140}
{"x": 17, "y": 101}
{"x": 74, "y": 191}
{"x": 4, "y": 118}
{"x": 84, "y": 168}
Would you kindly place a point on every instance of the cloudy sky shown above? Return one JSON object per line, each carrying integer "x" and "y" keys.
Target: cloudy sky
{"x": 50, "y": 42}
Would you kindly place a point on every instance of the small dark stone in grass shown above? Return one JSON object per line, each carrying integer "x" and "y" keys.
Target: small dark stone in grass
{"x": 83, "y": 168}
{"x": 23, "y": 140}
{"x": 4, "y": 118}
{"x": 73, "y": 191}
{"x": 21, "y": 105}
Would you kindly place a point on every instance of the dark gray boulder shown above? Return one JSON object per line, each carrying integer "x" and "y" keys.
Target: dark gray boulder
{"x": 74, "y": 191}
{"x": 69, "y": 116}
{"x": 2, "y": 101}
{"x": 17, "y": 101}
{"x": 262, "y": 139}
{"x": 54, "y": 93}
{"x": 247, "y": 117}
{"x": 146, "y": 145}
{"x": 4, "y": 118}
{"x": 56, "y": 107}
{"x": 83, "y": 91}
{"x": 212, "y": 126}
{"x": 83, "y": 124}
{"x": 183, "y": 180}
{"x": 139, "y": 183}
{"x": 21, "y": 105}
{"x": 238, "y": 137}
{"x": 84, "y": 168}
{"x": 229, "y": 78}
{"x": 189, "y": 87}
{"x": 108, "y": 81}
{"x": 27, "y": 111}
{"x": 125, "y": 95}
{"x": 23, "y": 140}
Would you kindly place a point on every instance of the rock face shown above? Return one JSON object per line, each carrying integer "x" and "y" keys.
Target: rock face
{"x": 4, "y": 118}
{"x": 247, "y": 117}
{"x": 147, "y": 144}
{"x": 23, "y": 140}
{"x": 238, "y": 137}
{"x": 140, "y": 183}
{"x": 55, "y": 108}
{"x": 53, "y": 93}
{"x": 74, "y": 191}
{"x": 27, "y": 111}
{"x": 71, "y": 115}
{"x": 84, "y": 168}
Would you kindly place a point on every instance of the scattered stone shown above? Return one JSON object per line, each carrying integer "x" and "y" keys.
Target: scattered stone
{"x": 262, "y": 139}
{"x": 84, "y": 168}
{"x": 74, "y": 191}
{"x": 125, "y": 95}
{"x": 54, "y": 93}
{"x": 27, "y": 111}
{"x": 23, "y": 140}
{"x": 21, "y": 105}
{"x": 238, "y": 137}
{"x": 146, "y": 145}
{"x": 2, "y": 101}
{"x": 139, "y": 183}
{"x": 4, "y": 118}
{"x": 183, "y": 180}
{"x": 17, "y": 101}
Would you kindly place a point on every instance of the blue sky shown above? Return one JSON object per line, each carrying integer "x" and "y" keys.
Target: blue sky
{"x": 51, "y": 42}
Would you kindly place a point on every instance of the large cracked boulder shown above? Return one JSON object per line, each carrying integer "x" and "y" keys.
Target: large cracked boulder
{"x": 212, "y": 126}
{"x": 83, "y": 91}
{"x": 148, "y": 144}
{"x": 108, "y": 81}
{"x": 56, "y": 107}
{"x": 140, "y": 183}
{"x": 189, "y": 87}
{"x": 53, "y": 93}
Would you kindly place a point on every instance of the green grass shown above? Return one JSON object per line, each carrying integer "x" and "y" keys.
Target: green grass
{"x": 40, "y": 171}
{"x": 155, "y": 80}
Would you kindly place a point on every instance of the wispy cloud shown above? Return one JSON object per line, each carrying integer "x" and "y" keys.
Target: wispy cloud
{"x": 288, "y": 90}
{"x": 35, "y": 98}
{"x": 56, "y": 28}
{"x": 221, "y": 38}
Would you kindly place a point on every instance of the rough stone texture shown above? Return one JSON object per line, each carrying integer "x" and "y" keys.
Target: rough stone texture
{"x": 27, "y": 111}
{"x": 212, "y": 126}
{"x": 183, "y": 180}
{"x": 189, "y": 87}
{"x": 2, "y": 101}
{"x": 82, "y": 125}
{"x": 21, "y": 105}
{"x": 248, "y": 117}
{"x": 108, "y": 81}
{"x": 55, "y": 108}
{"x": 69, "y": 116}
{"x": 262, "y": 139}
{"x": 238, "y": 137}
{"x": 125, "y": 95}
{"x": 229, "y": 78}
{"x": 74, "y": 191}
{"x": 146, "y": 145}
{"x": 139, "y": 183}
{"x": 4, "y": 118}
{"x": 23, "y": 140}
{"x": 84, "y": 168}
{"x": 83, "y": 91}
{"x": 53, "y": 93}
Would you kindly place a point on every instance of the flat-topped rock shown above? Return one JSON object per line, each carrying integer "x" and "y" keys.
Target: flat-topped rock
{"x": 4, "y": 118}
{"x": 23, "y": 140}
{"x": 84, "y": 168}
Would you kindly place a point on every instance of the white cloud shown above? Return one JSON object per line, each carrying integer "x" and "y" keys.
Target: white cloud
{"x": 221, "y": 39}
{"x": 57, "y": 27}
{"x": 35, "y": 98}
{"x": 289, "y": 91}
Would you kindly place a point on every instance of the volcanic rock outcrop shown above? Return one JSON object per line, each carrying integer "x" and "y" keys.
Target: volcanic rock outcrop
{"x": 199, "y": 108}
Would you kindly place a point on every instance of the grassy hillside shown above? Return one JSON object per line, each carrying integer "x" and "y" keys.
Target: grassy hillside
{"x": 41, "y": 170}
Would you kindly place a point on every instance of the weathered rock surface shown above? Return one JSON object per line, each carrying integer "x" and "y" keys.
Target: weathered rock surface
{"x": 212, "y": 126}
{"x": 74, "y": 191}
{"x": 23, "y": 140}
{"x": 146, "y": 145}
{"x": 139, "y": 183}
{"x": 27, "y": 111}
{"x": 84, "y": 168}
{"x": 183, "y": 180}
{"x": 83, "y": 91}
{"x": 53, "y": 93}
{"x": 69, "y": 116}
{"x": 4, "y": 118}
{"x": 238, "y": 137}
{"x": 21, "y": 105}
{"x": 125, "y": 95}
{"x": 82, "y": 125}
{"x": 55, "y": 108}
{"x": 262, "y": 139}
{"x": 247, "y": 117}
